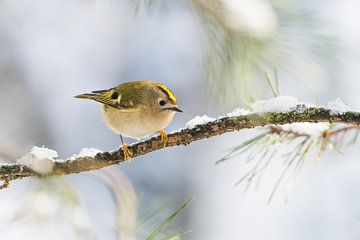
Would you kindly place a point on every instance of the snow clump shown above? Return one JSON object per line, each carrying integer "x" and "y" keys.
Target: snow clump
{"x": 199, "y": 120}
{"x": 337, "y": 107}
{"x": 238, "y": 112}
{"x": 280, "y": 104}
{"x": 39, "y": 159}
{"x": 85, "y": 152}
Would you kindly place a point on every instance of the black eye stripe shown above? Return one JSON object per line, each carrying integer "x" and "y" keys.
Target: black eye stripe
{"x": 114, "y": 95}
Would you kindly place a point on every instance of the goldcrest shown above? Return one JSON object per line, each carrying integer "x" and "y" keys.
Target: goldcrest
{"x": 136, "y": 109}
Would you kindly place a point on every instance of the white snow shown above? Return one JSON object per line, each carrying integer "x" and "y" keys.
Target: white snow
{"x": 42, "y": 159}
{"x": 238, "y": 112}
{"x": 255, "y": 18}
{"x": 312, "y": 129}
{"x": 85, "y": 152}
{"x": 44, "y": 153}
{"x": 199, "y": 120}
{"x": 278, "y": 104}
{"x": 337, "y": 107}
{"x": 39, "y": 159}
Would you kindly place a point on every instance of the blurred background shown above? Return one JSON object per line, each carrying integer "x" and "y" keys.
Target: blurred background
{"x": 213, "y": 54}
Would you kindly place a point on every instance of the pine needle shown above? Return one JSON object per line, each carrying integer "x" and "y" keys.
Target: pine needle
{"x": 162, "y": 226}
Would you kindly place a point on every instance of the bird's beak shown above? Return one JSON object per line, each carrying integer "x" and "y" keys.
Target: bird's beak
{"x": 176, "y": 109}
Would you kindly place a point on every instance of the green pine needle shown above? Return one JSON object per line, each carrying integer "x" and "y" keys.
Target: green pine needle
{"x": 274, "y": 84}
{"x": 162, "y": 226}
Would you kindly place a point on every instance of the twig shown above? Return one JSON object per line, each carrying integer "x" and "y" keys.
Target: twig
{"x": 185, "y": 137}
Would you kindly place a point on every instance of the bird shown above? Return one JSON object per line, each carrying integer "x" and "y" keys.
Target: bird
{"x": 136, "y": 109}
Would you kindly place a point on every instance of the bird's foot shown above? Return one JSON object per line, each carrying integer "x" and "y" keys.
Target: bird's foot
{"x": 164, "y": 137}
{"x": 127, "y": 153}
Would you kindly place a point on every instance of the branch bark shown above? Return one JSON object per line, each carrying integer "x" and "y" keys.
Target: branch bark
{"x": 184, "y": 137}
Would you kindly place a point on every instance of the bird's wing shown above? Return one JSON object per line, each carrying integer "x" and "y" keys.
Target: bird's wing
{"x": 114, "y": 97}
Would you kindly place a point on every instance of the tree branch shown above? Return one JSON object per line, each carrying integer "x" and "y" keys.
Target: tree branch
{"x": 184, "y": 137}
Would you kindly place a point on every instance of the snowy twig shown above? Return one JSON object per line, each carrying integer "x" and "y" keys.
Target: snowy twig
{"x": 207, "y": 129}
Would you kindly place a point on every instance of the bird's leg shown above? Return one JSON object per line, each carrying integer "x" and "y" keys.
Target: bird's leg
{"x": 164, "y": 137}
{"x": 126, "y": 151}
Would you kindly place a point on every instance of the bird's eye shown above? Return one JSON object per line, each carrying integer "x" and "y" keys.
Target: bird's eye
{"x": 115, "y": 95}
{"x": 162, "y": 102}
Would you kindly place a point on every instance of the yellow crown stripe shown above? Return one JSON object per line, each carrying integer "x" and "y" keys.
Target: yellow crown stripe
{"x": 168, "y": 92}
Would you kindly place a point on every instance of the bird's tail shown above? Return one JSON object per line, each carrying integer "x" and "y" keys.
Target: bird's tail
{"x": 102, "y": 96}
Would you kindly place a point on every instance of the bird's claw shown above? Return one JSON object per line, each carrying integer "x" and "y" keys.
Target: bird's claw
{"x": 127, "y": 153}
{"x": 164, "y": 137}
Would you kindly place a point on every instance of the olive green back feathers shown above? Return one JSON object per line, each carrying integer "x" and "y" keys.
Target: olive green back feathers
{"x": 130, "y": 95}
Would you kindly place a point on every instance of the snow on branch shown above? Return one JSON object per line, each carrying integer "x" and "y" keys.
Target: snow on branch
{"x": 277, "y": 111}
